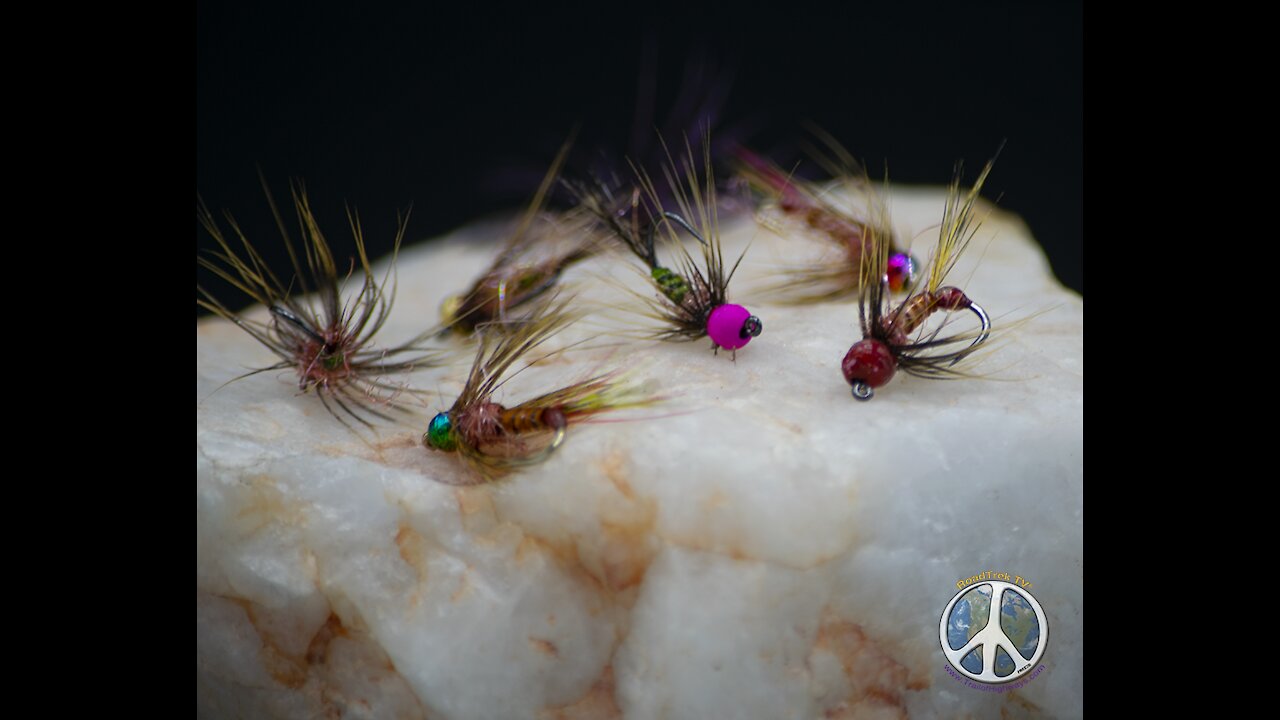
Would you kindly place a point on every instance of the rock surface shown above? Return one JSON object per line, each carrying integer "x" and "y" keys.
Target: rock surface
{"x": 759, "y": 545}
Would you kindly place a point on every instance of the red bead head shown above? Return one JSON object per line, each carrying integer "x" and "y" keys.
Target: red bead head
{"x": 869, "y": 364}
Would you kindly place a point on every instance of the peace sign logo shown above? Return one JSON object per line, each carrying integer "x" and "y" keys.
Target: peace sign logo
{"x": 995, "y": 632}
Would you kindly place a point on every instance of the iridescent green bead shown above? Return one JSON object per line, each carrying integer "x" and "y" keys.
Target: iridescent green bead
{"x": 440, "y": 433}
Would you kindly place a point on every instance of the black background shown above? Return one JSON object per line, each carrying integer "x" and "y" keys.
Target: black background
{"x": 457, "y": 111}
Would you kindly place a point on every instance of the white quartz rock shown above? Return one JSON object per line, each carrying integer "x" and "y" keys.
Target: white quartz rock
{"x": 758, "y": 545}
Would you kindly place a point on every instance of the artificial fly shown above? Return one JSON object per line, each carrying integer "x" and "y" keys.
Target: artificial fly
{"x": 853, "y": 233}
{"x": 691, "y": 301}
{"x": 512, "y": 281}
{"x": 495, "y": 440}
{"x": 327, "y": 342}
{"x": 886, "y": 344}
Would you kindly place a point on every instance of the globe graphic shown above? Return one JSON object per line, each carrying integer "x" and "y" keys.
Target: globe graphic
{"x": 1017, "y": 620}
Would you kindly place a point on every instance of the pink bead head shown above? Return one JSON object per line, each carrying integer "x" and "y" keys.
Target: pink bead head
{"x": 900, "y": 272}
{"x": 732, "y": 326}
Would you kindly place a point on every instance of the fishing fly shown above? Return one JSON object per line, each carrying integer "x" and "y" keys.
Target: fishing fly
{"x": 494, "y": 439}
{"x": 835, "y": 219}
{"x": 512, "y": 280}
{"x": 887, "y": 344}
{"x": 691, "y": 300}
{"x": 327, "y": 341}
